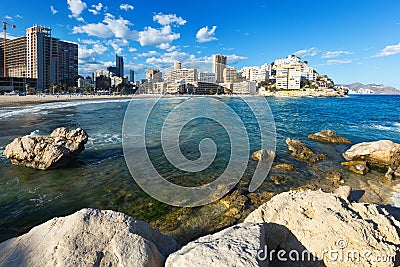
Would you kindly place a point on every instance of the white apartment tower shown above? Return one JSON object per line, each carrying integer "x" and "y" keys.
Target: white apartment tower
{"x": 40, "y": 51}
{"x": 218, "y": 66}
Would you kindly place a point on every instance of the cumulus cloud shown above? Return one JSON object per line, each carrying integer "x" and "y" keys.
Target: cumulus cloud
{"x": 389, "y": 50}
{"x": 88, "y": 54}
{"x": 148, "y": 54}
{"x": 233, "y": 59}
{"x": 132, "y": 49}
{"x": 110, "y": 27}
{"x": 151, "y": 36}
{"x": 126, "y": 7}
{"x": 168, "y": 19}
{"x": 53, "y": 10}
{"x": 311, "y": 52}
{"x": 76, "y": 7}
{"x": 96, "y": 9}
{"x": 118, "y": 44}
{"x": 339, "y": 61}
{"x": 334, "y": 54}
{"x": 206, "y": 35}
{"x": 166, "y": 60}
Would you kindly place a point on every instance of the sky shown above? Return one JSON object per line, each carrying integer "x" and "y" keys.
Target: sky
{"x": 349, "y": 40}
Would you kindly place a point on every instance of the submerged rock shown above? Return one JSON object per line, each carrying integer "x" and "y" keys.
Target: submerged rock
{"x": 234, "y": 246}
{"x": 279, "y": 179}
{"x": 320, "y": 222}
{"x": 284, "y": 167}
{"x": 334, "y": 177}
{"x": 45, "y": 152}
{"x": 263, "y": 155}
{"x": 329, "y": 137}
{"x": 89, "y": 237}
{"x": 299, "y": 150}
{"x": 359, "y": 167}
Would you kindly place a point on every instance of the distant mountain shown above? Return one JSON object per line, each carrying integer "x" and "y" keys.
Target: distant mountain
{"x": 374, "y": 89}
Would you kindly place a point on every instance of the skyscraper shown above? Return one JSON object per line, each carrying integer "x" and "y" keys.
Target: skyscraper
{"x": 218, "y": 66}
{"x": 132, "y": 76}
{"x": 119, "y": 63}
{"x": 49, "y": 59}
{"x": 15, "y": 56}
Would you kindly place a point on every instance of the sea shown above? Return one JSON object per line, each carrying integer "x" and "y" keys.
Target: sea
{"x": 100, "y": 178}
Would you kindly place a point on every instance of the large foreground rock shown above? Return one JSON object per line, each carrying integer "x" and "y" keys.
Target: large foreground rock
{"x": 299, "y": 150}
{"x": 383, "y": 153}
{"x": 44, "y": 152}
{"x": 329, "y": 136}
{"x": 328, "y": 225}
{"x": 89, "y": 238}
{"x": 236, "y": 246}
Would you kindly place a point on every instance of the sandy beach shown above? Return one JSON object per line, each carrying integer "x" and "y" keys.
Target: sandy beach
{"x": 6, "y": 100}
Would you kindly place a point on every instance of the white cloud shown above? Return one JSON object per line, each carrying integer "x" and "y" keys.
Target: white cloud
{"x": 339, "y": 61}
{"x": 166, "y": 60}
{"x": 118, "y": 44}
{"x": 110, "y": 27}
{"x": 167, "y": 47}
{"x": 126, "y": 7}
{"x": 148, "y": 54}
{"x": 311, "y": 52}
{"x": 168, "y": 19}
{"x": 97, "y": 9}
{"x": 233, "y": 59}
{"x": 132, "y": 49}
{"x": 206, "y": 35}
{"x": 76, "y": 7}
{"x": 88, "y": 54}
{"x": 8, "y": 17}
{"x": 334, "y": 54}
{"x": 389, "y": 50}
{"x": 151, "y": 36}
{"x": 19, "y": 17}
{"x": 53, "y": 10}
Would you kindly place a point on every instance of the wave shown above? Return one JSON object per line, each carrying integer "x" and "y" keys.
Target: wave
{"x": 96, "y": 140}
{"x": 41, "y": 108}
{"x": 386, "y": 127}
{"x": 33, "y": 134}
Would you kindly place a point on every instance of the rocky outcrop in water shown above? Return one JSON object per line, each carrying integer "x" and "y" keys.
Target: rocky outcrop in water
{"x": 300, "y": 151}
{"x": 383, "y": 153}
{"x": 359, "y": 167}
{"x": 45, "y": 152}
{"x": 329, "y": 136}
{"x": 89, "y": 238}
{"x": 263, "y": 155}
{"x": 325, "y": 223}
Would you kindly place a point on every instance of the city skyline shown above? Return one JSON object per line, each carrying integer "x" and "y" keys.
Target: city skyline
{"x": 350, "y": 42}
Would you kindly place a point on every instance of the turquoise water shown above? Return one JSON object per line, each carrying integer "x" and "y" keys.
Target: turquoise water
{"x": 100, "y": 179}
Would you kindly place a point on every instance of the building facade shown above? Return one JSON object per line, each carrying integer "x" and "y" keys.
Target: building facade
{"x": 288, "y": 78}
{"x": 207, "y": 77}
{"x": 230, "y": 75}
{"x": 119, "y": 63}
{"x": 218, "y": 65}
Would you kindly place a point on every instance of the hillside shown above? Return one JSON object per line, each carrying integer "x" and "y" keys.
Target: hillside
{"x": 375, "y": 89}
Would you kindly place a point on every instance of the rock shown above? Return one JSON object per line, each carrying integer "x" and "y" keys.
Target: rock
{"x": 284, "y": 167}
{"x": 45, "y": 152}
{"x": 343, "y": 192}
{"x": 324, "y": 223}
{"x": 89, "y": 237}
{"x": 299, "y": 150}
{"x": 263, "y": 155}
{"x": 394, "y": 168}
{"x": 334, "y": 177}
{"x": 329, "y": 137}
{"x": 279, "y": 179}
{"x": 359, "y": 167}
{"x": 377, "y": 153}
{"x": 234, "y": 246}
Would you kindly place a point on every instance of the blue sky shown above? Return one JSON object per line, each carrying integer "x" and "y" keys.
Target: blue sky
{"x": 351, "y": 40}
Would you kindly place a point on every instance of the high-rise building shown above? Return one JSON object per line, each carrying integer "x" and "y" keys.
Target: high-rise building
{"x": 67, "y": 63}
{"x": 288, "y": 77}
{"x": 119, "y": 63}
{"x": 40, "y": 61}
{"x": 132, "y": 76}
{"x": 15, "y": 57}
{"x": 177, "y": 65}
{"x": 218, "y": 66}
{"x": 154, "y": 76}
{"x": 49, "y": 59}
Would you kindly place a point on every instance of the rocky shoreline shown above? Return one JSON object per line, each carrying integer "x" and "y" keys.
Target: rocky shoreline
{"x": 305, "y": 219}
{"x": 278, "y": 233}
